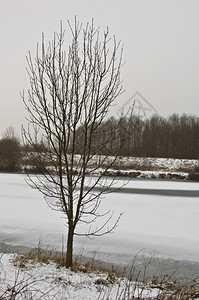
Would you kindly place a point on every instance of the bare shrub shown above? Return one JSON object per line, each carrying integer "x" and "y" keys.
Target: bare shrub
{"x": 194, "y": 174}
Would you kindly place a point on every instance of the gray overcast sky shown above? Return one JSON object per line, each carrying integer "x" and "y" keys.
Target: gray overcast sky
{"x": 161, "y": 48}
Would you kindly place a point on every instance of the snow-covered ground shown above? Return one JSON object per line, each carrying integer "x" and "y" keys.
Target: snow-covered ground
{"x": 46, "y": 281}
{"x": 159, "y": 164}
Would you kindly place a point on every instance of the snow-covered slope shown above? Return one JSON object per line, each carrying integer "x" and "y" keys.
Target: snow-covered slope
{"x": 150, "y": 167}
{"x": 47, "y": 281}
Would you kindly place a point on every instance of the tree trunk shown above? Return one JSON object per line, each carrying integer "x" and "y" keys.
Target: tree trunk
{"x": 69, "y": 250}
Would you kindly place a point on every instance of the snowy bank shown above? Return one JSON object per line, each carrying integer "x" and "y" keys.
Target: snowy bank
{"x": 35, "y": 280}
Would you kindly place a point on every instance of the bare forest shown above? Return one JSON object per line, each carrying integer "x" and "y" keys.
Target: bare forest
{"x": 172, "y": 137}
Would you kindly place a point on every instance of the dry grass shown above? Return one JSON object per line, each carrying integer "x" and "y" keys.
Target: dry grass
{"x": 174, "y": 290}
{"x": 29, "y": 259}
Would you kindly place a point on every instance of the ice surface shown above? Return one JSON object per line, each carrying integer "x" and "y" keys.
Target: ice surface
{"x": 167, "y": 225}
{"x": 23, "y": 208}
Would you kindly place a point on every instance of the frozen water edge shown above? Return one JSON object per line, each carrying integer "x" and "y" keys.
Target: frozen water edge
{"x": 141, "y": 263}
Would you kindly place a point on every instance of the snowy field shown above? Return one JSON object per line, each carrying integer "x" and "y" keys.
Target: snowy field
{"x": 160, "y": 225}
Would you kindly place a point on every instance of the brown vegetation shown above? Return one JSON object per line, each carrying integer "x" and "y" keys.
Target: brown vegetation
{"x": 194, "y": 174}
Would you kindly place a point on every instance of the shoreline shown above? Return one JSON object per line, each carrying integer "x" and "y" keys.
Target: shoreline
{"x": 141, "y": 266}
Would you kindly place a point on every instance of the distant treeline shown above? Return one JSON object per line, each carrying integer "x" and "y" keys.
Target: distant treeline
{"x": 175, "y": 137}
{"x": 172, "y": 137}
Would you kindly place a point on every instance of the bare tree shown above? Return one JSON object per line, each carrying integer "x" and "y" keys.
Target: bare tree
{"x": 71, "y": 86}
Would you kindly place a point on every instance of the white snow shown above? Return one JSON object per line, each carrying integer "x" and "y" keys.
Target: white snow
{"x": 48, "y": 281}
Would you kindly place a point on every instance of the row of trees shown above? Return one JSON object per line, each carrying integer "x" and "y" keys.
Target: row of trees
{"x": 175, "y": 137}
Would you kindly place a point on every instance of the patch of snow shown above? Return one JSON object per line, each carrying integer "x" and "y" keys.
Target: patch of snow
{"x": 50, "y": 282}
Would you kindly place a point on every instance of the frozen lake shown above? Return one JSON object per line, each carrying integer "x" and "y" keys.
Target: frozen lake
{"x": 163, "y": 223}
